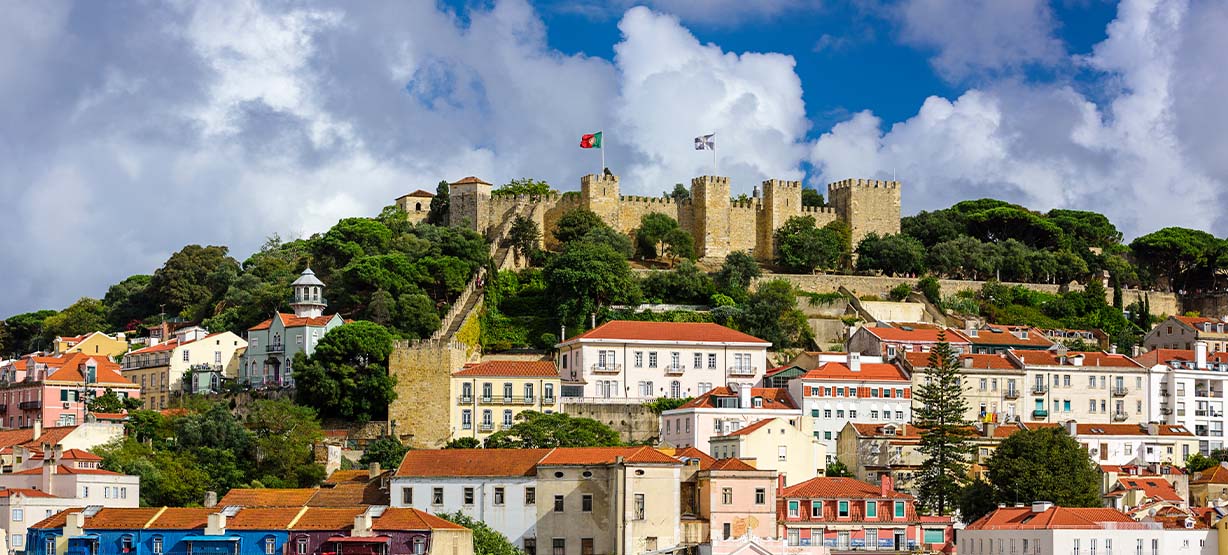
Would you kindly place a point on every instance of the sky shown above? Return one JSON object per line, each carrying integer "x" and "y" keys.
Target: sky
{"x": 128, "y": 130}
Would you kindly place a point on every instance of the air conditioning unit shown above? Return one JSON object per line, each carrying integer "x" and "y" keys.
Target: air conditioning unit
{"x": 1093, "y": 451}
{"x": 67, "y": 405}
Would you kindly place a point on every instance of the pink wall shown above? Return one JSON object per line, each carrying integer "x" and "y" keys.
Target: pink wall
{"x": 49, "y": 397}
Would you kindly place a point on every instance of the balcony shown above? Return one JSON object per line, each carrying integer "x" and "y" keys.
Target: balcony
{"x": 1120, "y": 417}
{"x": 547, "y": 400}
{"x": 1164, "y": 393}
{"x": 1200, "y": 413}
{"x": 606, "y": 368}
{"x": 1040, "y": 413}
{"x": 1213, "y": 394}
{"x": 30, "y": 405}
{"x": 1120, "y": 391}
{"x": 675, "y": 370}
{"x": 275, "y": 348}
{"x": 464, "y": 400}
{"x": 1040, "y": 389}
{"x": 507, "y": 400}
{"x": 1011, "y": 394}
{"x": 486, "y": 427}
{"x": 1166, "y": 411}
{"x": 743, "y": 370}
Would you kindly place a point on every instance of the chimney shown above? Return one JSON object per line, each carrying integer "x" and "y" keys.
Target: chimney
{"x": 49, "y": 471}
{"x": 989, "y": 429}
{"x": 38, "y": 428}
{"x": 968, "y": 361}
{"x": 744, "y": 396}
{"x": 854, "y": 361}
{"x": 1113, "y": 349}
{"x": 1041, "y": 506}
{"x": 1135, "y": 351}
{"x": 74, "y": 526}
{"x": 1072, "y": 427}
{"x": 373, "y": 471}
{"x": 216, "y": 524}
{"x": 1153, "y": 428}
{"x": 362, "y": 525}
{"x": 1076, "y": 360}
{"x": 886, "y": 487}
{"x": 780, "y": 483}
{"x": 1200, "y": 355}
{"x": 210, "y": 499}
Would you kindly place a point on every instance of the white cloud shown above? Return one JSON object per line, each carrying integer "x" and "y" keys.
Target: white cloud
{"x": 977, "y": 37}
{"x": 1049, "y": 146}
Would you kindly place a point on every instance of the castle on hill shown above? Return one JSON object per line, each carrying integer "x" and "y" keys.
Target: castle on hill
{"x": 719, "y": 223}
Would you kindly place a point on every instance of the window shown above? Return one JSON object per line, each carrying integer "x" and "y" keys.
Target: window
{"x": 507, "y": 392}
{"x": 548, "y": 391}
{"x": 487, "y": 391}
{"x": 407, "y": 496}
{"x": 652, "y": 359}
{"x": 639, "y": 359}
{"x": 782, "y": 453}
{"x": 871, "y": 509}
{"x": 269, "y": 546}
{"x": 530, "y": 546}
{"x": 842, "y": 509}
{"x": 564, "y": 361}
{"x": 468, "y": 496}
{"x": 711, "y": 360}
{"x": 125, "y": 543}
{"x": 507, "y": 418}
{"x": 727, "y": 530}
{"x": 185, "y": 355}
{"x": 639, "y": 506}
{"x": 558, "y": 546}
{"x": 530, "y": 496}
{"x": 816, "y": 509}
{"x": 899, "y": 509}
{"x": 726, "y": 496}
{"x": 50, "y": 545}
{"x": 1155, "y": 547}
{"x": 826, "y": 413}
{"x": 794, "y": 538}
{"x": 466, "y": 419}
{"x": 675, "y": 389}
{"x": 301, "y": 546}
{"x": 18, "y": 515}
{"x": 605, "y": 359}
{"x": 793, "y": 508}
{"x": 19, "y": 540}
{"x": 498, "y": 496}
{"x": 586, "y": 503}
{"x": 488, "y": 419}
{"x": 697, "y": 361}
{"x": 1138, "y": 547}
{"x": 437, "y": 496}
{"x": 528, "y": 392}
{"x": 419, "y": 545}
{"x": 558, "y": 503}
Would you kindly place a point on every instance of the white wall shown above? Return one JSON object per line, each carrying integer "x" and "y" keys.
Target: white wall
{"x": 702, "y": 423}
{"x": 1062, "y": 542}
{"x": 513, "y": 519}
{"x": 583, "y": 356}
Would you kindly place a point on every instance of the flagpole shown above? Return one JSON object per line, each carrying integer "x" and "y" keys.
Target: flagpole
{"x": 602, "y": 172}
{"x": 715, "y": 170}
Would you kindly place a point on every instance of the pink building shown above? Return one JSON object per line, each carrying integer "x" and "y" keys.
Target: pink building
{"x": 53, "y": 390}
{"x": 844, "y": 513}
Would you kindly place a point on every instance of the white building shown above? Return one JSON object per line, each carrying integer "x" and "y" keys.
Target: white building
{"x": 641, "y": 361}
{"x": 722, "y": 411}
{"x": 1123, "y": 444}
{"x": 1187, "y": 387}
{"x": 160, "y": 369}
{"x": 1044, "y": 529}
{"x": 852, "y": 391}
{"x": 1090, "y": 387}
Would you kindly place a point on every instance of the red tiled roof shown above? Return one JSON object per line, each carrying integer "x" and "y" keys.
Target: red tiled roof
{"x": 72, "y": 367}
{"x": 775, "y": 398}
{"x": 915, "y": 335}
{"x": 685, "y": 332}
{"x": 471, "y": 462}
{"x": 1091, "y": 359}
{"x": 843, "y": 488}
{"x": 119, "y": 519}
{"x": 732, "y": 464}
{"x": 869, "y": 371}
{"x": 65, "y": 469}
{"x": 411, "y": 519}
{"x": 705, "y": 460}
{"x": 1130, "y": 430}
{"x": 25, "y": 436}
{"x": 79, "y": 455}
{"x": 978, "y": 361}
{"x": 1154, "y": 487}
{"x": 1194, "y": 321}
{"x": 267, "y": 497}
{"x": 1022, "y": 518}
{"x": 604, "y": 455}
{"x": 751, "y": 429}
{"x": 902, "y": 431}
{"x": 164, "y": 346}
{"x": 328, "y": 518}
{"x": 468, "y": 180}
{"x": 261, "y": 518}
{"x": 1002, "y": 335}
{"x": 1217, "y": 474}
{"x": 180, "y": 518}
{"x": 24, "y": 491}
{"x": 1166, "y": 356}
{"x": 419, "y": 193}
{"x": 292, "y": 321}
{"x": 511, "y": 368}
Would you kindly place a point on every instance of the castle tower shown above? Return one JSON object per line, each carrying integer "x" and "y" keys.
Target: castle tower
{"x": 866, "y": 205}
{"x": 308, "y": 295}
{"x": 781, "y": 200}
{"x": 710, "y": 203}
{"x": 469, "y": 201}
{"x": 599, "y": 193}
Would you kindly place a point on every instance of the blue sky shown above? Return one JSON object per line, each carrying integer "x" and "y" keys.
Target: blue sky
{"x": 131, "y": 130}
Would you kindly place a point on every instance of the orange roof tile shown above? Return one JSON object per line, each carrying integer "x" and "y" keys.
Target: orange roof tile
{"x": 1215, "y": 475}
{"x": 1166, "y": 356}
{"x": 328, "y": 518}
{"x": 164, "y": 346}
{"x": 511, "y": 368}
{"x": 419, "y": 193}
{"x": 604, "y": 455}
{"x": 341, "y": 476}
{"x": 1194, "y": 321}
{"x": 750, "y": 429}
{"x": 774, "y": 398}
{"x": 732, "y": 464}
{"x": 179, "y": 518}
{"x": 844, "y": 488}
{"x": 65, "y": 469}
{"x": 261, "y": 518}
{"x": 27, "y": 492}
{"x": 267, "y": 497}
{"x": 1091, "y": 359}
{"x": 119, "y": 519}
{"x": 1131, "y": 430}
{"x": 469, "y": 180}
{"x": 705, "y": 460}
{"x": 1154, "y": 487}
{"x": 685, "y": 332}
{"x": 411, "y": 519}
{"x": 869, "y": 371}
{"x": 915, "y": 335}
{"x": 292, "y": 321}
{"x": 966, "y": 360}
{"x": 72, "y": 370}
{"x": 350, "y": 494}
{"x": 471, "y": 462}
{"x": 1022, "y": 518}
{"x": 78, "y": 455}
{"x": 57, "y": 520}
{"x": 1002, "y": 335}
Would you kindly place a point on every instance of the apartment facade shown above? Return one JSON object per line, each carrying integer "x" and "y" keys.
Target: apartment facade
{"x": 1187, "y": 388}
{"x": 55, "y": 390}
{"x": 1181, "y": 332}
{"x": 160, "y": 369}
{"x": 871, "y": 451}
{"x": 1045, "y": 529}
{"x": 271, "y": 345}
{"x": 993, "y": 384}
{"x": 723, "y": 411}
{"x": 1145, "y": 444}
{"x": 94, "y": 343}
{"x": 775, "y": 444}
{"x": 889, "y": 341}
{"x": 836, "y": 393}
{"x": 641, "y": 361}
{"x": 489, "y": 395}
{"x": 1088, "y": 387}
{"x": 848, "y": 514}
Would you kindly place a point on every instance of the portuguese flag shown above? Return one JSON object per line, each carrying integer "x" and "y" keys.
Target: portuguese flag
{"x": 591, "y": 141}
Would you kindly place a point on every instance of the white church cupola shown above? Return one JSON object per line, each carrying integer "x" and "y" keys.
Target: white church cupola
{"x": 308, "y": 295}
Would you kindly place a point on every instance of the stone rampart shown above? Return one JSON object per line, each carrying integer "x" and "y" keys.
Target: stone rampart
{"x": 634, "y": 422}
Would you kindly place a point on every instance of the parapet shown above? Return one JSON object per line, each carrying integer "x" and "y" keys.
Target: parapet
{"x": 863, "y": 184}
{"x": 781, "y": 184}
{"x": 710, "y": 179}
{"x": 593, "y": 178}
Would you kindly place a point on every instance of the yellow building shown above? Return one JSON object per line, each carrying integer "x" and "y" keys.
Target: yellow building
{"x": 95, "y": 343}
{"x": 160, "y": 369}
{"x": 488, "y": 396}
{"x": 775, "y": 444}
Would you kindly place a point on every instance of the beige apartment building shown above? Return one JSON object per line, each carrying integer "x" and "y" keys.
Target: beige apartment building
{"x": 1181, "y": 332}
{"x": 1087, "y": 387}
{"x": 160, "y": 369}
{"x": 775, "y": 444}
{"x": 993, "y": 384}
{"x": 488, "y": 396}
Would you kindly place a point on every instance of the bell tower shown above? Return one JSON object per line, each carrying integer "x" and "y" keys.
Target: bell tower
{"x": 308, "y": 295}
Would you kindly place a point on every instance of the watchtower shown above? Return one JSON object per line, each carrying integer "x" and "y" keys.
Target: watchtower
{"x": 599, "y": 193}
{"x": 469, "y": 201}
{"x": 781, "y": 200}
{"x": 710, "y": 203}
{"x": 866, "y": 205}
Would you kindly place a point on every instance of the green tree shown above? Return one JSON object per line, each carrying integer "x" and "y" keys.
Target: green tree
{"x": 934, "y": 227}
{"x": 736, "y": 274}
{"x": 976, "y": 500}
{"x": 215, "y": 427}
{"x": 148, "y": 426}
{"x": 168, "y": 478}
{"x": 899, "y": 292}
{"x": 387, "y": 451}
{"x": 891, "y": 254}
{"x": 381, "y": 308}
{"x": 1089, "y": 228}
{"x": 524, "y": 237}
{"x": 111, "y": 402}
{"x": 576, "y": 223}
{"x": 939, "y": 408}
{"x": 685, "y": 284}
{"x": 802, "y": 247}
{"x": 127, "y": 302}
{"x": 416, "y": 316}
{"x": 680, "y": 193}
{"x": 84, "y": 316}
{"x": 963, "y": 258}
{"x": 771, "y": 314}
{"x": 811, "y": 197}
{"x": 930, "y": 287}
{"x": 24, "y": 333}
{"x": 1197, "y": 462}
{"x": 604, "y": 235}
{"x": 440, "y": 204}
{"x": 587, "y": 276}
{"x": 652, "y": 233}
{"x": 1044, "y": 464}
{"x": 486, "y": 540}
{"x": 347, "y": 375}
{"x": 539, "y": 430}
{"x": 1014, "y": 222}
{"x": 464, "y": 443}
{"x": 522, "y": 186}
{"x": 284, "y": 434}
{"x": 1175, "y": 254}
{"x": 662, "y": 404}
{"x": 837, "y": 469}
{"x": 193, "y": 280}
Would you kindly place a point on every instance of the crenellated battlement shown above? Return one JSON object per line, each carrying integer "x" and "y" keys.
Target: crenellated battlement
{"x": 863, "y": 184}
{"x": 818, "y": 210}
{"x": 782, "y": 184}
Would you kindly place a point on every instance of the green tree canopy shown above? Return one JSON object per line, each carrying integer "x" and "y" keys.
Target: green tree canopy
{"x": 685, "y": 284}
{"x": 24, "y": 332}
{"x": 604, "y": 235}
{"x": 803, "y": 247}
{"x": 347, "y": 375}
{"x": 486, "y": 540}
{"x": 111, "y": 402}
{"x": 539, "y": 430}
{"x": 586, "y": 276}
{"x": 440, "y": 204}
{"x": 127, "y": 302}
{"x": 524, "y": 237}
{"x": 1088, "y": 228}
{"x": 680, "y": 193}
{"x": 976, "y": 500}
{"x": 576, "y": 223}
{"x": 84, "y": 316}
{"x": 891, "y": 254}
{"x": 736, "y": 274}
{"x": 1044, "y": 464}
{"x": 193, "y": 280}
{"x": 654, "y": 229}
{"x": 771, "y": 314}
{"x": 284, "y": 434}
{"x": 811, "y": 197}
{"x": 837, "y": 469}
{"x": 522, "y": 186}
{"x": 464, "y": 443}
{"x": 1177, "y": 255}
{"x": 387, "y": 451}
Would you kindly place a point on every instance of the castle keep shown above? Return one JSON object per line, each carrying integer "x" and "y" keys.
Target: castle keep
{"x": 719, "y": 223}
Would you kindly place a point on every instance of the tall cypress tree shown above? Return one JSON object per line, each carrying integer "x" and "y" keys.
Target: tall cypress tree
{"x": 945, "y": 433}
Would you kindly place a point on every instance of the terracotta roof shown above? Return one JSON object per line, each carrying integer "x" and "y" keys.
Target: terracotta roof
{"x": 705, "y": 460}
{"x": 1154, "y": 487}
{"x": 267, "y": 497}
{"x": 79, "y": 455}
{"x": 843, "y": 488}
{"x": 979, "y": 361}
{"x": 902, "y": 431}
{"x": 1167, "y": 356}
{"x": 1217, "y": 474}
{"x": 1022, "y": 518}
{"x": 469, "y": 180}
{"x": 109, "y": 415}
{"x": 750, "y": 429}
{"x": 292, "y": 321}
{"x": 1136, "y": 470}
{"x": 511, "y": 368}
{"x": 328, "y": 518}
{"x": 1002, "y": 335}
{"x": 732, "y": 464}
{"x": 916, "y": 335}
{"x": 164, "y": 346}
{"x": 65, "y": 469}
{"x": 350, "y": 494}
{"x": 178, "y": 518}
{"x": 27, "y": 492}
{"x": 129, "y": 518}
{"x": 869, "y": 371}
{"x": 25, "y": 436}
{"x": 1130, "y": 430}
{"x": 419, "y": 193}
{"x": 471, "y": 462}
{"x": 604, "y": 455}
{"x": 73, "y": 366}
{"x": 261, "y": 518}
{"x": 56, "y": 520}
{"x": 774, "y": 398}
{"x": 1194, "y": 321}
{"x": 411, "y": 519}
{"x": 685, "y": 332}
{"x": 1091, "y": 359}
{"x": 341, "y": 476}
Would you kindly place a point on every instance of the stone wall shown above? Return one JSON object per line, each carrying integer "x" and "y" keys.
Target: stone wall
{"x": 421, "y": 413}
{"x": 868, "y": 205}
{"x": 634, "y": 422}
{"x": 1211, "y": 305}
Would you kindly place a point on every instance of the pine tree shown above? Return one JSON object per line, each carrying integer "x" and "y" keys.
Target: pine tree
{"x": 945, "y": 433}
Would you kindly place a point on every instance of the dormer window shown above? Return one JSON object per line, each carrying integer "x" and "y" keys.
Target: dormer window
{"x": 758, "y": 402}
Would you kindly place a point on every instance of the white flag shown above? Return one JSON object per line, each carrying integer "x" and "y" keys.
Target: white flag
{"x": 706, "y": 142}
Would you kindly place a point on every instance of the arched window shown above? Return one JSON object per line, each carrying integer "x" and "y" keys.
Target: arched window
{"x": 417, "y": 207}
{"x": 125, "y": 543}
{"x": 300, "y": 546}
{"x": 675, "y": 389}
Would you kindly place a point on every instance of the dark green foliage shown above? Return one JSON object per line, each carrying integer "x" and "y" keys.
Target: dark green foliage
{"x": 517, "y": 311}
{"x": 1010, "y": 222}
{"x": 652, "y": 233}
{"x": 524, "y": 237}
{"x": 679, "y": 194}
{"x": 899, "y": 292}
{"x": 127, "y": 302}
{"x": 522, "y": 186}
{"x": 539, "y": 430}
{"x": 347, "y": 375}
{"x": 192, "y": 280}
{"x": 736, "y": 274}
{"x": 440, "y": 204}
{"x": 24, "y": 333}
{"x": 891, "y": 254}
{"x": 1197, "y": 462}
{"x": 1045, "y": 464}
{"x": 111, "y": 402}
{"x": 486, "y": 540}
{"x": 802, "y": 247}
{"x": 387, "y": 451}
{"x": 679, "y": 245}
{"x": 576, "y": 223}
{"x": 416, "y": 316}
{"x": 84, "y": 316}
{"x": 929, "y": 287}
{"x": 939, "y": 406}
{"x": 662, "y": 404}
{"x": 976, "y": 500}
{"x": 811, "y": 197}
{"x": 603, "y": 235}
{"x": 935, "y": 227}
{"x": 1182, "y": 258}
{"x": 587, "y": 276}
{"x": 283, "y": 435}
{"x": 771, "y": 314}
{"x": 837, "y": 469}
{"x": 464, "y": 443}
{"x": 685, "y": 284}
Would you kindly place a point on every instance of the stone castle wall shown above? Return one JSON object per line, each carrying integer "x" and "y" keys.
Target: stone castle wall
{"x": 867, "y": 205}
{"x": 424, "y": 421}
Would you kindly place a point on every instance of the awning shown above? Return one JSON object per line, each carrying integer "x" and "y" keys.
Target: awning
{"x": 202, "y": 538}
{"x": 89, "y": 537}
{"x": 361, "y": 539}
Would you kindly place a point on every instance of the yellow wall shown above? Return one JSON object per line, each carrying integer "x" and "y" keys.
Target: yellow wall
{"x": 804, "y": 456}
{"x": 96, "y": 344}
{"x": 497, "y": 404}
